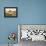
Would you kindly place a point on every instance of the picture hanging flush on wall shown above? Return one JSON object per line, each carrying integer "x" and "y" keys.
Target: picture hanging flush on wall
{"x": 10, "y": 12}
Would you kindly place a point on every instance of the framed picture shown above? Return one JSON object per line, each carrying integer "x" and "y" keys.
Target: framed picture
{"x": 10, "y": 12}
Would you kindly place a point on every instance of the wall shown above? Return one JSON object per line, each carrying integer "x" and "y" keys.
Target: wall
{"x": 29, "y": 12}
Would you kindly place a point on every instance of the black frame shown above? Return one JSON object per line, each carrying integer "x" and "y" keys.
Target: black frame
{"x": 11, "y": 7}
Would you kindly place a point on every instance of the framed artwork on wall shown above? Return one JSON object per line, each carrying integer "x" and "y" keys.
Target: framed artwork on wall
{"x": 10, "y": 11}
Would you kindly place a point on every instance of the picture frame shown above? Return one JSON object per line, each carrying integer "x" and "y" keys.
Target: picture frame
{"x": 10, "y": 11}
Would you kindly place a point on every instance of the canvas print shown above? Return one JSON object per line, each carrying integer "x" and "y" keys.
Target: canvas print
{"x": 10, "y": 11}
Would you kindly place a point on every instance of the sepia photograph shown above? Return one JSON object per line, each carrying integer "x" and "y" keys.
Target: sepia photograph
{"x": 10, "y": 11}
